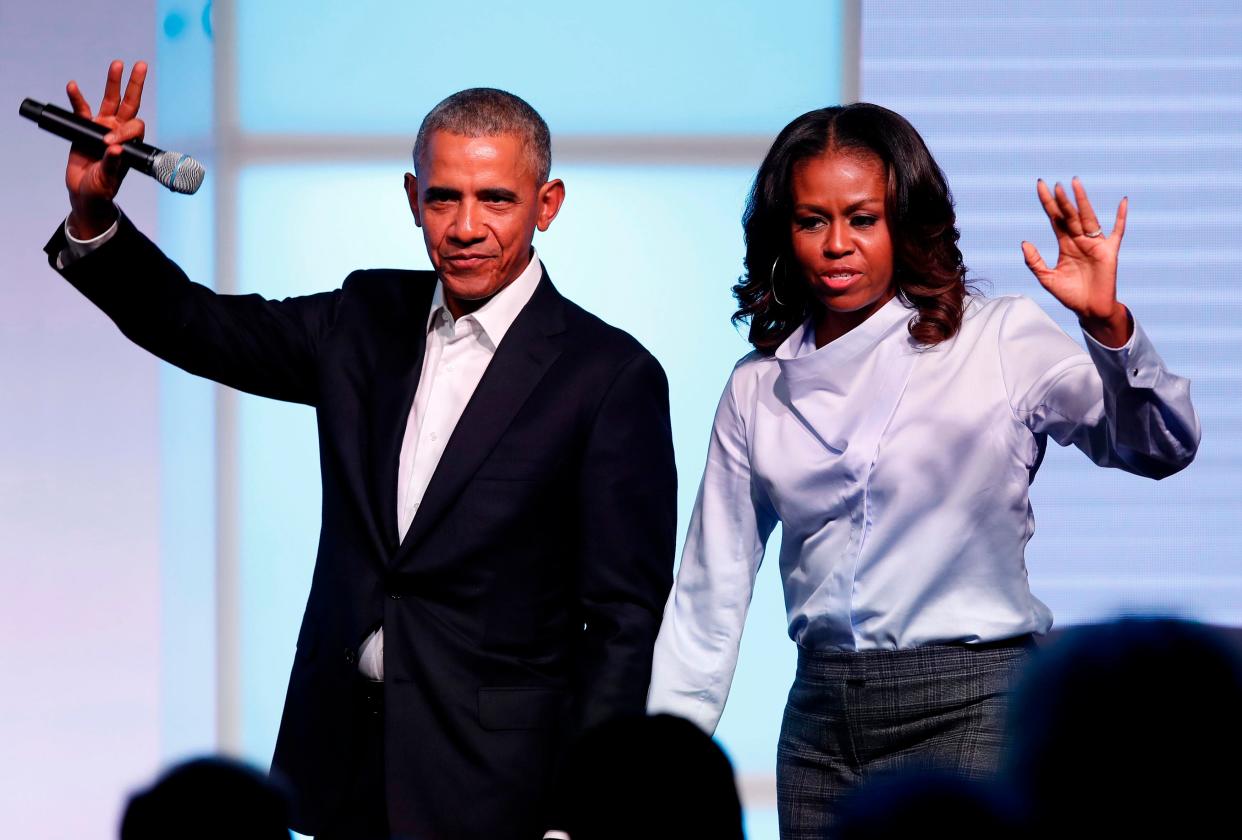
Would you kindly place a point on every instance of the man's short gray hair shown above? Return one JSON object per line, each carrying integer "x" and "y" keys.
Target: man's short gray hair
{"x": 488, "y": 112}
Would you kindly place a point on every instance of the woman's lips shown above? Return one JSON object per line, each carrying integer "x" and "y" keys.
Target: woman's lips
{"x": 839, "y": 278}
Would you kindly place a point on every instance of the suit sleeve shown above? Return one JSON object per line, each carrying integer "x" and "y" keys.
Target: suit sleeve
{"x": 628, "y": 524}
{"x": 256, "y": 345}
{"x": 1120, "y": 406}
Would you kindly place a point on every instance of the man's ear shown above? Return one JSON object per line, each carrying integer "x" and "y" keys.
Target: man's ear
{"x": 551, "y": 197}
{"x": 411, "y": 193}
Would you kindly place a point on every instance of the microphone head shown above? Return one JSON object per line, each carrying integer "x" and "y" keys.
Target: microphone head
{"x": 180, "y": 173}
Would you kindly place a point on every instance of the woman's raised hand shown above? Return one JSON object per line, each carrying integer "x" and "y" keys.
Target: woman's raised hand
{"x": 94, "y": 182}
{"x": 1084, "y": 279}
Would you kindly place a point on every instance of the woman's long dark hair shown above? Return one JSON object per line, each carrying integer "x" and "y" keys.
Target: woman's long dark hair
{"x": 927, "y": 264}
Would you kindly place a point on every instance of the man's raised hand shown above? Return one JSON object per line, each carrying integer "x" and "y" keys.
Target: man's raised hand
{"x": 93, "y": 182}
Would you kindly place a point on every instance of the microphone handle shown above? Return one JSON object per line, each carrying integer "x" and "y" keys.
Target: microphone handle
{"x": 88, "y": 135}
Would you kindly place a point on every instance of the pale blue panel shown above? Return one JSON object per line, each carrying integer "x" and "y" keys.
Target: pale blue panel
{"x": 278, "y": 503}
{"x": 180, "y": 86}
{"x": 646, "y": 66}
{"x": 182, "y": 74}
{"x": 762, "y": 825}
{"x": 653, "y": 250}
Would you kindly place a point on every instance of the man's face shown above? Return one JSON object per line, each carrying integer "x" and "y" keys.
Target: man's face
{"x": 478, "y": 201}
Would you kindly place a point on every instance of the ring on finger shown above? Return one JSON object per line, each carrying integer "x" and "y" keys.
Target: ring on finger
{"x": 1095, "y": 234}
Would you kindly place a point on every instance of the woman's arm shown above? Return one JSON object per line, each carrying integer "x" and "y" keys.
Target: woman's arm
{"x": 1117, "y": 402}
{"x": 696, "y": 652}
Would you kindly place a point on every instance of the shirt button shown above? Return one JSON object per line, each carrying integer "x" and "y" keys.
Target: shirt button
{"x": 434, "y": 436}
{"x": 449, "y": 367}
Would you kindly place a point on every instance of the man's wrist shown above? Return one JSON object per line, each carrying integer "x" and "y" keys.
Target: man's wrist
{"x": 90, "y": 222}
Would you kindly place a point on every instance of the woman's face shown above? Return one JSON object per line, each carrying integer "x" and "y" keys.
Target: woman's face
{"x": 840, "y": 236}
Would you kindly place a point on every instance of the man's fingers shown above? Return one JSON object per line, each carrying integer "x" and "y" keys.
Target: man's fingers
{"x": 77, "y": 100}
{"x": 123, "y": 133}
{"x": 1119, "y": 226}
{"x": 112, "y": 90}
{"x": 133, "y": 92}
{"x": 113, "y": 164}
{"x": 1090, "y": 224}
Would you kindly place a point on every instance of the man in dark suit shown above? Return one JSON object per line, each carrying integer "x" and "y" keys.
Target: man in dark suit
{"x": 498, "y": 482}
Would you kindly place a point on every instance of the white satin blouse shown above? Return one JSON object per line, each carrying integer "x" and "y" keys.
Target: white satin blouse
{"x": 899, "y": 475}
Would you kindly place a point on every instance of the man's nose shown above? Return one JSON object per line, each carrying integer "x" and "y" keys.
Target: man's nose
{"x": 838, "y": 242}
{"x": 466, "y": 226}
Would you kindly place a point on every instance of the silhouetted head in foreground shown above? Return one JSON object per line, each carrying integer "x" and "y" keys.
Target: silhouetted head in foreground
{"x": 208, "y": 798}
{"x": 651, "y": 777}
{"x": 1129, "y": 727}
{"x": 926, "y": 804}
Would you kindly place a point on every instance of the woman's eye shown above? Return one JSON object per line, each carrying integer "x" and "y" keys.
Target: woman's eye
{"x": 864, "y": 221}
{"x": 809, "y": 222}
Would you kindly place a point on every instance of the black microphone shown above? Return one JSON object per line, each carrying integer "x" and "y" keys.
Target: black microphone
{"x": 180, "y": 173}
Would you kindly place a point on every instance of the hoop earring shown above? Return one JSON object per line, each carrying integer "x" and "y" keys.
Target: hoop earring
{"x": 772, "y": 281}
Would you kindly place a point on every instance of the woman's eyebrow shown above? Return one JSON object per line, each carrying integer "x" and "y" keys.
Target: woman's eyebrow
{"x": 862, "y": 202}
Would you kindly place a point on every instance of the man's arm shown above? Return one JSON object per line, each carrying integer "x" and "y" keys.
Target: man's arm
{"x": 627, "y": 527}
{"x": 627, "y": 524}
{"x": 264, "y": 347}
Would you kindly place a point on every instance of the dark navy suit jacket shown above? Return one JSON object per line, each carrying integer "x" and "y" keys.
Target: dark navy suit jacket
{"x": 524, "y": 601}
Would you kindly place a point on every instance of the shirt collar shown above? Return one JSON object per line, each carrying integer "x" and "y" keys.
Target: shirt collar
{"x": 498, "y": 314}
{"x": 798, "y": 353}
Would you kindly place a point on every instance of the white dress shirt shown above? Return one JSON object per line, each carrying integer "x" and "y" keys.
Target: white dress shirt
{"x": 458, "y": 352}
{"x": 899, "y": 475}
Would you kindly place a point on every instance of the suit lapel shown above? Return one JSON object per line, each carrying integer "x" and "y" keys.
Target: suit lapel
{"x": 396, "y": 381}
{"x": 529, "y": 348}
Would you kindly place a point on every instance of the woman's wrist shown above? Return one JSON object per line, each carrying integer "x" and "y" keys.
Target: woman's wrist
{"x": 1111, "y": 330}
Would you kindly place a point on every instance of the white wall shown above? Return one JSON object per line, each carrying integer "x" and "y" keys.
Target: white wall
{"x": 79, "y": 496}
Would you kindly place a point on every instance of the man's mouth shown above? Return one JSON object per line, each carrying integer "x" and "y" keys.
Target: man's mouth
{"x": 465, "y": 262}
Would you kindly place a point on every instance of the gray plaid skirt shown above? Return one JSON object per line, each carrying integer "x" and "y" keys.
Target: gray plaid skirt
{"x": 854, "y": 714}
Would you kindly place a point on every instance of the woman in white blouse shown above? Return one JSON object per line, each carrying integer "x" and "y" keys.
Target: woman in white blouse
{"x": 892, "y": 421}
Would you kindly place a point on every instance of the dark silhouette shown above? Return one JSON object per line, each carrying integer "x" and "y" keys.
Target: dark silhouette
{"x": 1129, "y": 728}
{"x": 651, "y": 777}
{"x": 209, "y": 798}
{"x": 927, "y": 804}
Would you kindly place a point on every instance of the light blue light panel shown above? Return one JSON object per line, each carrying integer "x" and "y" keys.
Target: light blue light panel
{"x": 642, "y": 67}
{"x": 653, "y": 250}
{"x": 180, "y": 87}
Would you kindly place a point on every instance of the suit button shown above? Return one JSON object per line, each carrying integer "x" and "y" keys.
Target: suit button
{"x": 396, "y": 596}
{"x": 351, "y": 656}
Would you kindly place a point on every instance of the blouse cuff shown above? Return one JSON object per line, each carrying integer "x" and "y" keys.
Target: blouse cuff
{"x": 1134, "y": 364}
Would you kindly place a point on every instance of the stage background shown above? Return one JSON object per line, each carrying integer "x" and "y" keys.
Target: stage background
{"x": 159, "y": 531}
